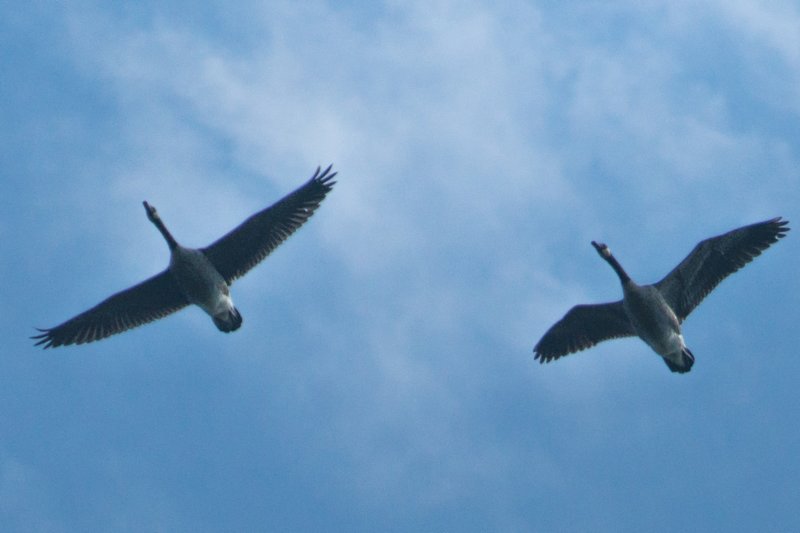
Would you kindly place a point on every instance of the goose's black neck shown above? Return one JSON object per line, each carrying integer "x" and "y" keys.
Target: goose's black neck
{"x": 152, "y": 215}
{"x": 606, "y": 254}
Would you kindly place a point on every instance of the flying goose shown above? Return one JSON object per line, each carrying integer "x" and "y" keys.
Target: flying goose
{"x": 655, "y": 312}
{"x": 196, "y": 276}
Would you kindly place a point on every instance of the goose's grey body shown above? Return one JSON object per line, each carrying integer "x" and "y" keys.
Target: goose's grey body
{"x": 203, "y": 286}
{"x": 655, "y": 312}
{"x": 196, "y": 276}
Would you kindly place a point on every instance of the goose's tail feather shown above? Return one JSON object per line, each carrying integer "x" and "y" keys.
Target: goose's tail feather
{"x": 685, "y": 364}
{"x": 228, "y": 321}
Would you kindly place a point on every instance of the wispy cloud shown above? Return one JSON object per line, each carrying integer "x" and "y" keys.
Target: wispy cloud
{"x": 463, "y": 133}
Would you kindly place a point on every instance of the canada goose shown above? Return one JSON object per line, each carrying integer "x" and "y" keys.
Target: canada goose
{"x": 655, "y": 312}
{"x": 196, "y": 276}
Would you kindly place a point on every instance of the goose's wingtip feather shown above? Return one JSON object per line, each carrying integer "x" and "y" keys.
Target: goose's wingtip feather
{"x": 323, "y": 176}
{"x": 541, "y": 357}
{"x": 45, "y": 337}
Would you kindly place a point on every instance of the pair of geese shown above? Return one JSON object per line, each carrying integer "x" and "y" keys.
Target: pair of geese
{"x": 203, "y": 277}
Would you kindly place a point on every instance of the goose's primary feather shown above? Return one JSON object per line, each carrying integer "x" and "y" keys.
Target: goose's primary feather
{"x": 195, "y": 276}
{"x": 654, "y": 312}
{"x": 150, "y": 300}
{"x": 247, "y": 245}
{"x": 714, "y": 259}
{"x": 582, "y": 327}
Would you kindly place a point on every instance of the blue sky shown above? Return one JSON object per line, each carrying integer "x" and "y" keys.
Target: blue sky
{"x": 383, "y": 379}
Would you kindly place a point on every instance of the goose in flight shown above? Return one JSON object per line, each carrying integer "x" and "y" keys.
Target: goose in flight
{"x": 199, "y": 276}
{"x": 655, "y": 312}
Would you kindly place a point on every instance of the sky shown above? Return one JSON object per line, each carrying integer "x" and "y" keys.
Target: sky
{"x": 383, "y": 379}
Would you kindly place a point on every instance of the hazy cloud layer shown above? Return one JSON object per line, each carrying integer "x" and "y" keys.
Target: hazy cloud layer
{"x": 383, "y": 378}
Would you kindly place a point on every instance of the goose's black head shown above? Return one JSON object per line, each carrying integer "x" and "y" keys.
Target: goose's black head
{"x": 602, "y": 249}
{"x": 605, "y": 253}
{"x": 152, "y": 214}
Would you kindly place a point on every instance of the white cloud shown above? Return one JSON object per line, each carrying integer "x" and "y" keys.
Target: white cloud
{"x": 775, "y": 24}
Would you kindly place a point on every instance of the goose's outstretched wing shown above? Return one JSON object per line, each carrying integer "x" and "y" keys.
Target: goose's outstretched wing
{"x": 714, "y": 259}
{"x": 582, "y": 327}
{"x": 152, "y": 299}
{"x": 244, "y": 247}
